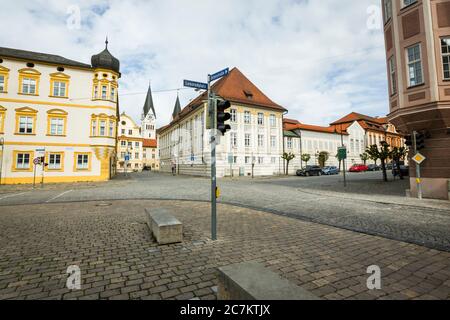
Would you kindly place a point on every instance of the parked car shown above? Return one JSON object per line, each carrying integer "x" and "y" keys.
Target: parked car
{"x": 330, "y": 170}
{"x": 147, "y": 168}
{"x": 310, "y": 171}
{"x": 373, "y": 167}
{"x": 359, "y": 168}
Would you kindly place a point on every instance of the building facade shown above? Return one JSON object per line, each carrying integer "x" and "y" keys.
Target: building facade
{"x": 417, "y": 39}
{"x": 254, "y": 144}
{"x": 129, "y": 146}
{"x": 137, "y": 147}
{"x": 63, "y": 110}
{"x": 354, "y": 131}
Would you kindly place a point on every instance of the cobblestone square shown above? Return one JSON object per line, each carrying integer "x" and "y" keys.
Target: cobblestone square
{"x": 111, "y": 243}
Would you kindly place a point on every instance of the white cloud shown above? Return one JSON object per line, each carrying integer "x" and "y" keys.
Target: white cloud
{"x": 316, "y": 58}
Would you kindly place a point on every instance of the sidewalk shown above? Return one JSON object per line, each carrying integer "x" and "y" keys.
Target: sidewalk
{"x": 111, "y": 244}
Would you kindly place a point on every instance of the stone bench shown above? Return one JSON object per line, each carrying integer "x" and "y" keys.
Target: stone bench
{"x": 165, "y": 228}
{"x": 252, "y": 281}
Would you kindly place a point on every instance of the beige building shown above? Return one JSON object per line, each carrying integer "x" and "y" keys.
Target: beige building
{"x": 254, "y": 143}
{"x": 60, "y": 109}
{"x": 129, "y": 146}
{"x": 417, "y": 36}
{"x": 137, "y": 147}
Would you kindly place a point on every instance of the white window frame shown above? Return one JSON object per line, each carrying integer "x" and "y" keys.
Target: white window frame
{"x": 260, "y": 140}
{"x": 414, "y": 63}
{"x": 59, "y": 89}
{"x": 273, "y": 141}
{"x": 29, "y": 86}
{"x": 104, "y": 92}
{"x": 233, "y": 113}
{"x": 27, "y": 126}
{"x": 52, "y": 163}
{"x": 20, "y": 161}
{"x": 260, "y": 119}
{"x": 393, "y": 74}
{"x": 84, "y": 163}
{"x": 445, "y": 55}
{"x": 248, "y": 140}
{"x": 102, "y": 128}
{"x": 247, "y": 117}
{"x": 56, "y": 126}
{"x": 273, "y": 120}
{"x": 387, "y": 10}
{"x": 2, "y": 83}
{"x": 233, "y": 140}
{"x": 289, "y": 142}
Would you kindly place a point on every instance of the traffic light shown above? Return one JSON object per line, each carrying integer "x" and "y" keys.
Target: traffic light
{"x": 420, "y": 141}
{"x": 223, "y": 116}
{"x": 409, "y": 140}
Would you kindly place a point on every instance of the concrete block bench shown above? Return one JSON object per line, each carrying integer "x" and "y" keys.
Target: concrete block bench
{"x": 165, "y": 228}
{"x": 252, "y": 281}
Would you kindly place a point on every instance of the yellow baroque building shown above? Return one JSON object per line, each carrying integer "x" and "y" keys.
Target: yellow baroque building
{"x": 59, "y": 110}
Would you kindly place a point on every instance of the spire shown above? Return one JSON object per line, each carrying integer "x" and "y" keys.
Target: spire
{"x": 149, "y": 102}
{"x": 177, "y": 108}
{"x": 106, "y": 42}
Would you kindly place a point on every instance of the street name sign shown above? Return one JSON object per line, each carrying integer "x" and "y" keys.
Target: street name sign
{"x": 195, "y": 85}
{"x": 220, "y": 74}
{"x": 40, "y": 152}
{"x": 419, "y": 158}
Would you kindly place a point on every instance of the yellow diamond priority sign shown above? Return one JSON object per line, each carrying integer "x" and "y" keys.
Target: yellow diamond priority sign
{"x": 419, "y": 158}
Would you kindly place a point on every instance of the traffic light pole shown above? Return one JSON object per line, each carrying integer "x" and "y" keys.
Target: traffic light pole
{"x": 418, "y": 176}
{"x": 212, "y": 116}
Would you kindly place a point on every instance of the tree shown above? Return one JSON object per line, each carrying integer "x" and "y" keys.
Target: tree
{"x": 306, "y": 157}
{"x": 364, "y": 157}
{"x": 398, "y": 154}
{"x": 383, "y": 153}
{"x": 288, "y": 157}
{"x": 323, "y": 158}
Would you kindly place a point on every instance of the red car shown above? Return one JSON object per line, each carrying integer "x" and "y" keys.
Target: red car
{"x": 359, "y": 168}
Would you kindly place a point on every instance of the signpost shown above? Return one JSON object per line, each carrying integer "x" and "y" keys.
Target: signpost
{"x": 418, "y": 159}
{"x": 342, "y": 155}
{"x": 36, "y": 162}
{"x": 196, "y": 85}
{"x": 212, "y": 116}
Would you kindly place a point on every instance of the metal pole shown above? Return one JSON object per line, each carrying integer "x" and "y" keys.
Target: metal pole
{"x": 43, "y": 169}
{"x": 343, "y": 160}
{"x": 418, "y": 177}
{"x": 2, "y": 142}
{"x": 34, "y": 176}
{"x": 213, "y": 165}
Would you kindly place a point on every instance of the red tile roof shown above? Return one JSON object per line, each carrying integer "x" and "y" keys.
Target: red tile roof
{"x": 150, "y": 143}
{"x": 235, "y": 87}
{"x": 290, "y": 125}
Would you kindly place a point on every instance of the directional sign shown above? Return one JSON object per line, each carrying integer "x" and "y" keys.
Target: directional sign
{"x": 342, "y": 153}
{"x": 40, "y": 152}
{"x": 419, "y": 158}
{"x": 195, "y": 85}
{"x": 220, "y": 74}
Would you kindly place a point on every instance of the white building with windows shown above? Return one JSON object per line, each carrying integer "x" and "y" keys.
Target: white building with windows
{"x": 136, "y": 142}
{"x": 254, "y": 143}
{"x": 66, "y": 108}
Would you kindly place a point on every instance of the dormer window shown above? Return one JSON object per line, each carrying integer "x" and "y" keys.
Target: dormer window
{"x": 248, "y": 94}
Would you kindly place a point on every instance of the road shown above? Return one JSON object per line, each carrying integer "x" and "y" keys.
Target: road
{"x": 367, "y": 205}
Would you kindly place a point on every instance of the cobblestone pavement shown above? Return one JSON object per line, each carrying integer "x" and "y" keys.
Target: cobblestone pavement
{"x": 119, "y": 260}
{"x": 315, "y": 199}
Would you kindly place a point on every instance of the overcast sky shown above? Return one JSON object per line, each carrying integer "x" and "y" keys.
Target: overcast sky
{"x": 320, "y": 59}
